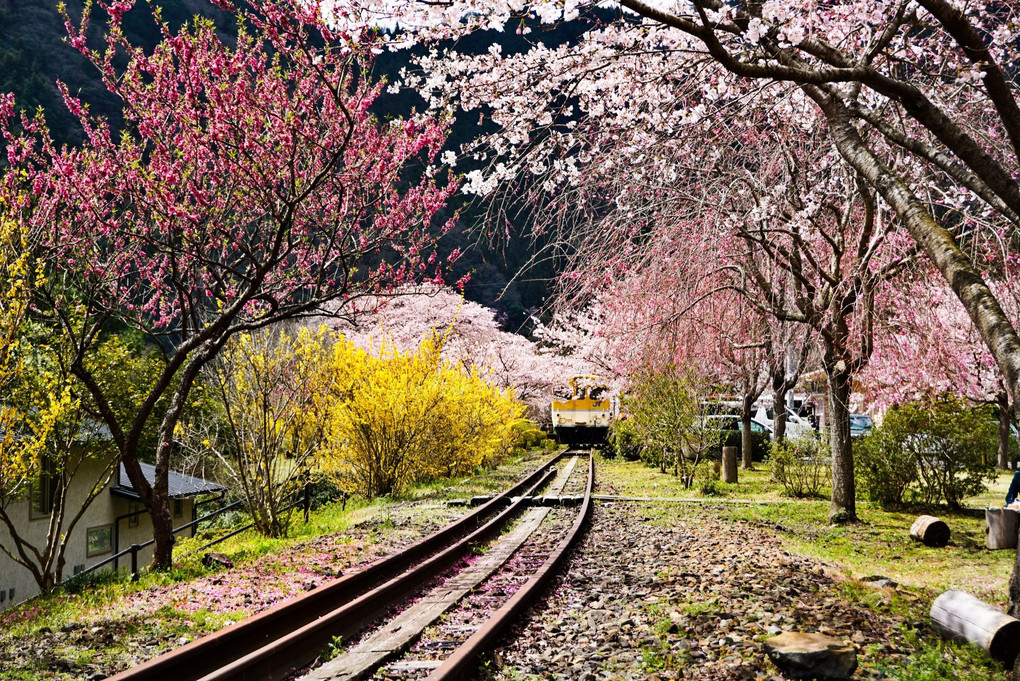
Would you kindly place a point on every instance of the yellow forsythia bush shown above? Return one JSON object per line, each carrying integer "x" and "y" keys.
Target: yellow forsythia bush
{"x": 399, "y": 417}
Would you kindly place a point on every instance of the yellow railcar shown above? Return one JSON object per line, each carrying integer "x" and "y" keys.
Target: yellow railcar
{"x": 581, "y": 415}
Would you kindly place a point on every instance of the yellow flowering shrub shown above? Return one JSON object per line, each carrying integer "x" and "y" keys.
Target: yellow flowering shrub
{"x": 269, "y": 425}
{"x": 26, "y": 418}
{"x": 399, "y": 417}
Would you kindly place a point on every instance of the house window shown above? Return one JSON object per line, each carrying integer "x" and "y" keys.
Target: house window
{"x": 42, "y": 491}
{"x": 99, "y": 540}
{"x": 135, "y": 508}
{"x": 178, "y": 508}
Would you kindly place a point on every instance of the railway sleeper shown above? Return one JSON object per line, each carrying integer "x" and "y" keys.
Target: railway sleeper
{"x": 471, "y": 501}
{"x": 392, "y": 638}
{"x": 462, "y": 664}
{"x": 303, "y": 645}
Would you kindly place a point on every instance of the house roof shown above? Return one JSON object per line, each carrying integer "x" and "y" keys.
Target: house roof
{"x": 181, "y": 485}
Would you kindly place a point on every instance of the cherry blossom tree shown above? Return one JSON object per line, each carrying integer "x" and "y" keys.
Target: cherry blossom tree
{"x": 251, "y": 185}
{"x": 780, "y": 220}
{"x": 472, "y": 338}
{"x": 737, "y": 335}
{"x": 916, "y": 95}
{"x": 689, "y": 316}
{"x": 933, "y": 348}
{"x": 832, "y": 243}
{"x": 789, "y": 352}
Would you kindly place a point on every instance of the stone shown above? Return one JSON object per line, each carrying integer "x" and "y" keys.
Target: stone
{"x": 812, "y": 656}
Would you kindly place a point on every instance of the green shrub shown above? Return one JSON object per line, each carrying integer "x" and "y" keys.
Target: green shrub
{"x": 949, "y": 441}
{"x": 624, "y": 440}
{"x": 801, "y": 465}
{"x": 709, "y": 481}
{"x": 760, "y": 443}
{"x": 884, "y": 466}
{"x": 667, "y": 410}
{"x": 527, "y": 435}
{"x": 324, "y": 490}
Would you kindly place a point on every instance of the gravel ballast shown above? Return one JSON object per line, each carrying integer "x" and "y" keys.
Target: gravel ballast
{"x": 648, "y": 596}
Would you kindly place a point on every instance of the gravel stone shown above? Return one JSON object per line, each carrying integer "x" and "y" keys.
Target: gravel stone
{"x": 683, "y": 598}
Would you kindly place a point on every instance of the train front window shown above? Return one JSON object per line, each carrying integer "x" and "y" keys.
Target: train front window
{"x": 597, "y": 392}
{"x": 563, "y": 392}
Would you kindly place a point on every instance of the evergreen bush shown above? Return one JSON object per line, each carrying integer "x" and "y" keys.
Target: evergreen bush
{"x": 949, "y": 442}
{"x": 884, "y": 466}
{"x": 624, "y": 440}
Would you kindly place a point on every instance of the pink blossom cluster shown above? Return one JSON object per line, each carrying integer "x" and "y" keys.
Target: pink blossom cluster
{"x": 472, "y": 337}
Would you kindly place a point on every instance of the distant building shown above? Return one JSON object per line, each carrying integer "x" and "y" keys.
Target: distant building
{"x": 114, "y": 521}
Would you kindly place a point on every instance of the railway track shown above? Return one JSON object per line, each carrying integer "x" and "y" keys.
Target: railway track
{"x": 283, "y": 640}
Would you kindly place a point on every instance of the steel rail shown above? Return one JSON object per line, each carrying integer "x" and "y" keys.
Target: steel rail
{"x": 262, "y": 631}
{"x": 463, "y": 662}
{"x": 303, "y": 645}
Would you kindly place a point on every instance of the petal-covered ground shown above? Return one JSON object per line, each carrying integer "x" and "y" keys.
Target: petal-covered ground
{"x": 657, "y": 590}
{"x": 108, "y": 637}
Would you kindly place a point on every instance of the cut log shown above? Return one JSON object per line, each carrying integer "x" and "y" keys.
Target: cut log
{"x": 729, "y": 464}
{"x": 960, "y": 616}
{"x": 1001, "y": 528}
{"x": 930, "y": 531}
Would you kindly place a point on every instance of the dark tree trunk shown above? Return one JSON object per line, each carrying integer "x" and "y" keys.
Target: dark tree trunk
{"x": 1014, "y": 588}
{"x": 747, "y": 462}
{"x": 156, "y": 500}
{"x": 780, "y": 388}
{"x": 844, "y": 493}
{"x": 162, "y": 525}
{"x": 1005, "y": 419}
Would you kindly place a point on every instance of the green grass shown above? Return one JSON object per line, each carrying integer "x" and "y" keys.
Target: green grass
{"x": 934, "y": 660}
{"x": 879, "y": 544}
{"x": 635, "y": 479}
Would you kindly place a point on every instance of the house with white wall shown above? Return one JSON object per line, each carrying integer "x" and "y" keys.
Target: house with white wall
{"x": 114, "y": 521}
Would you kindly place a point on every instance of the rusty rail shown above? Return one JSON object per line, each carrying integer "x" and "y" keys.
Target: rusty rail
{"x": 463, "y": 662}
{"x": 267, "y": 645}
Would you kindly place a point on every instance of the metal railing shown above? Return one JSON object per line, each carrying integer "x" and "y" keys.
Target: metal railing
{"x": 304, "y": 500}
